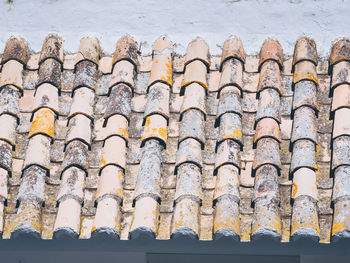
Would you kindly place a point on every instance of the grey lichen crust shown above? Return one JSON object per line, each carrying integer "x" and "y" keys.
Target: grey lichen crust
{"x": 142, "y": 233}
{"x": 184, "y": 233}
{"x": 341, "y": 236}
{"x": 25, "y": 233}
{"x": 104, "y": 233}
{"x": 226, "y": 234}
{"x": 305, "y": 234}
{"x": 65, "y": 233}
{"x": 266, "y": 234}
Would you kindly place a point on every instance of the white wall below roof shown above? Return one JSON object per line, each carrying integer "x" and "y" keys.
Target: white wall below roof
{"x": 252, "y": 21}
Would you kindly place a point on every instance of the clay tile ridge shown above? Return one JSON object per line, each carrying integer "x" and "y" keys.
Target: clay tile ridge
{"x": 198, "y": 49}
{"x": 233, "y": 48}
{"x": 305, "y": 50}
{"x": 340, "y": 52}
{"x": 16, "y": 49}
{"x": 52, "y": 48}
{"x": 89, "y": 50}
{"x": 126, "y": 49}
{"x": 271, "y": 50}
{"x": 162, "y": 46}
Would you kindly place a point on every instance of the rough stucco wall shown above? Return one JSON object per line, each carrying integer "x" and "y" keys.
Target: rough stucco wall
{"x": 252, "y": 21}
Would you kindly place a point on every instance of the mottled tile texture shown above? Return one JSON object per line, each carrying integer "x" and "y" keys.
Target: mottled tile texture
{"x": 95, "y": 145}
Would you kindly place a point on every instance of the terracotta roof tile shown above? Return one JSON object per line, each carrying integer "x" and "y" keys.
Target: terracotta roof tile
{"x": 227, "y": 183}
{"x": 340, "y": 75}
{"x": 231, "y": 75}
{"x": 229, "y": 102}
{"x": 197, "y": 50}
{"x": 89, "y": 50}
{"x": 52, "y": 48}
{"x": 8, "y": 130}
{"x": 111, "y": 184}
{"x": 185, "y": 224}
{"x": 267, "y": 152}
{"x": 38, "y": 152}
{"x": 15, "y": 49}
{"x": 82, "y": 103}
{"x": 195, "y": 73}
{"x": 50, "y": 72}
{"x": 9, "y": 99}
{"x": 119, "y": 102}
{"x": 194, "y": 99}
{"x": 226, "y": 219}
{"x": 266, "y": 220}
{"x": 305, "y": 50}
{"x": 126, "y": 49}
{"x": 269, "y": 105}
{"x": 79, "y": 129}
{"x": 267, "y": 128}
{"x": 341, "y": 147}
{"x": 305, "y": 95}
{"x": 67, "y": 224}
{"x": 233, "y": 49}
{"x": 46, "y": 96}
{"x": 43, "y": 123}
{"x": 271, "y": 50}
{"x": 230, "y": 128}
{"x": 193, "y": 177}
{"x": 270, "y": 77}
{"x": 123, "y": 72}
{"x": 304, "y": 125}
{"x": 114, "y": 152}
{"x": 157, "y": 101}
{"x": 192, "y": 126}
{"x": 341, "y": 97}
{"x": 85, "y": 75}
{"x": 341, "y": 124}
{"x": 340, "y": 52}
{"x": 11, "y": 74}
{"x": 305, "y": 220}
{"x": 305, "y": 70}
{"x": 162, "y": 68}
{"x": 72, "y": 185}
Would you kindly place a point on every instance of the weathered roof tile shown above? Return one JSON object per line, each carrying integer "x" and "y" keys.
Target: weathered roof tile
{"x": 232, "y": 49}
{"x": 126, "y": 49}
{"x": 305, "y": 50}
{"x": 267, "y": 152}
{"x": 89, "y": 50}
{"x": 197, "y": 50}
{"x": 271, "y": 50}
{"x": 341, "y": 98}
{"x": 52, "y": 48}
{"x": 305, "y": 95}
{"x": 340, "y": 52}
{"x": 232, "y": 74}
{"x": 15, "y": 49}
{"x": 11, "y": 74}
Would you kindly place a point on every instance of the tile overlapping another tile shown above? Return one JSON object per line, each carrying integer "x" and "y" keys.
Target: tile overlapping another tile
{"x": 78, "y": 143}
{"x": 229, "y": 143}
{"x": 267, "y": 222}
{"x": 147, "y": 196}
{"x": 37, "y": 163}
{"x": 339, "y": 68}
{"x": 186, "y": 225}
{"x": 305, "y": 224}
{"x": 110, "y": 194}
{"x": 174, "y": 146}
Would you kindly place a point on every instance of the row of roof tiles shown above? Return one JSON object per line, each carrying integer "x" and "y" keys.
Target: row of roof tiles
{"x": 188, "y": 199}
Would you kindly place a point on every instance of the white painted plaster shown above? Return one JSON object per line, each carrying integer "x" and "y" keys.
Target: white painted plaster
{"x": 252, "y": 21}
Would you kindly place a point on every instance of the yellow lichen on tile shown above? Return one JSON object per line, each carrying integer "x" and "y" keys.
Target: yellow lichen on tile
{"x": 43, "y": 123}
